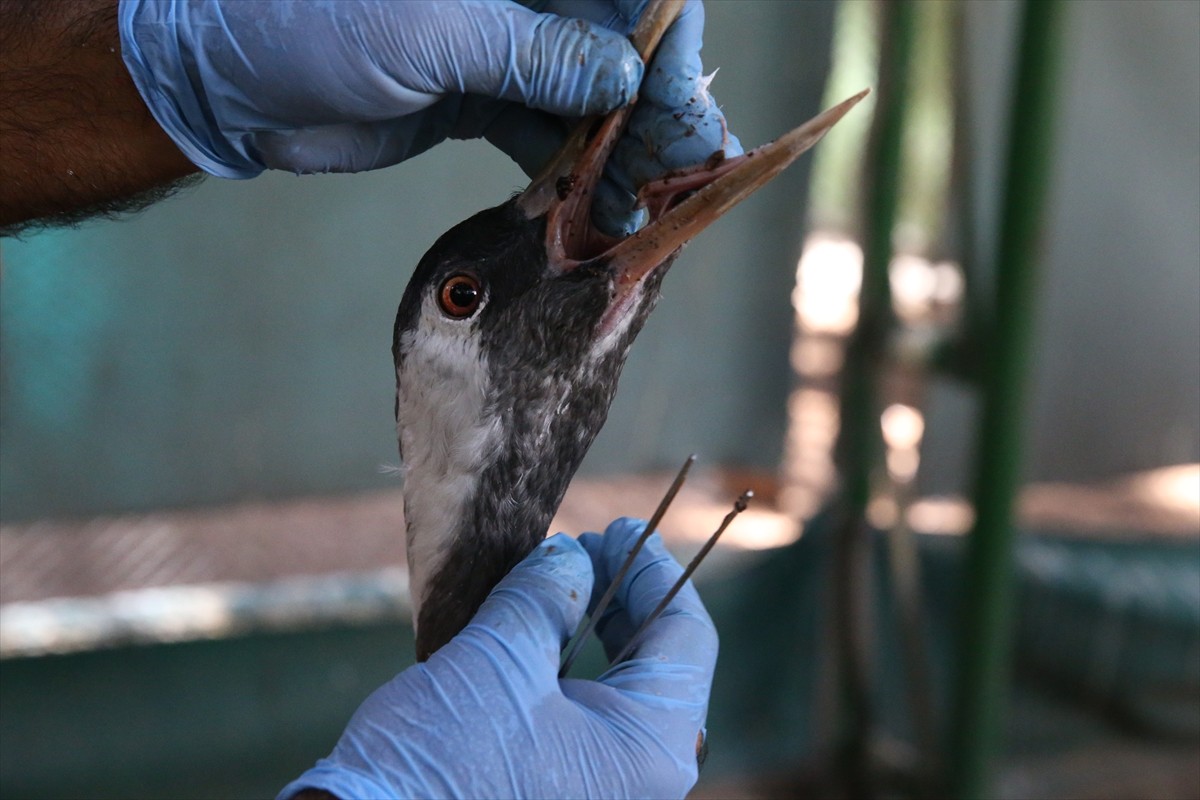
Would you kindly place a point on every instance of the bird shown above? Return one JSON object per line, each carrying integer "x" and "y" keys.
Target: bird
{"x": 508, "y": 344}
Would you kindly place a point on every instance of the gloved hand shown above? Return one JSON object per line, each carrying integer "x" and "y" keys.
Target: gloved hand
{"x": 487, "y": 716}
{"x": 350, "y": 85}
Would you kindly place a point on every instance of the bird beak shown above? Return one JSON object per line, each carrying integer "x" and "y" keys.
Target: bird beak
{"x": 680, "y": 204}
{"x": 683, "y": 203}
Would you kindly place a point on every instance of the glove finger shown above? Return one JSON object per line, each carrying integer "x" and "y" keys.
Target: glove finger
{"x": 677, "y": 123}
{"x": 684, "y": 634}
{"x": 565, "y": 66}
{"x": 660, "y": 730}
{"x": 608, "y": 553}
{"x": 358, "y": 146}
{"x": 350, "y": 147}
{"x": 614, "y": 627}
{"x": 676, "y": 69}
{"x": 528, "y": 137}
{"x": 532, "y": 612}
{"x": 660, "y": 140}
{"x": 613, "y": 212}
{"x": 666, "y": 683}
{"x": 616, "y": 15}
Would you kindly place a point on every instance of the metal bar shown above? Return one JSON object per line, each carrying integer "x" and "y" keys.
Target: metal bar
{"x": 906, "y": 588}
{"x": 588, "y": 623}
{"x": 985, "y": 641}
{"x": 958, "y": 358}
{"x": 738, "y": 507}
{"x": 859, "y": 441}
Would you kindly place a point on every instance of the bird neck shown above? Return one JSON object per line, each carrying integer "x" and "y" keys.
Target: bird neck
{"x": 492, "y": 535}
{"x": 480, "y": 492}
{"x": 445, "y": 449}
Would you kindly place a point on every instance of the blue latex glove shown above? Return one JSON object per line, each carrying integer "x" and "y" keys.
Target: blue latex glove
{"x": 350, "y": 85}
{"x": 487, "y": 716}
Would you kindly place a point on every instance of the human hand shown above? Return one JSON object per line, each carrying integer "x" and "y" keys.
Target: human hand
{"x": 354, "y": 85}
{"x": 487, "y": 716}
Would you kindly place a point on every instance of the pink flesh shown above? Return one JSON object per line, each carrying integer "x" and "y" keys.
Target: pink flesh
{"x": 571, "y": 237}
{"x": 658, "y": 196}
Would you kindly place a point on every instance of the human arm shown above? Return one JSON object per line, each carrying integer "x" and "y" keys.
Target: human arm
{"x": 103, "y": 99}
{"x": 344, "y": 86}
{"x": 75, "y": 136}
{"x": 487, "y": 715}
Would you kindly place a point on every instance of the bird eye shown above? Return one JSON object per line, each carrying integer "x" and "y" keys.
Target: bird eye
{"x": 460, "y": 295}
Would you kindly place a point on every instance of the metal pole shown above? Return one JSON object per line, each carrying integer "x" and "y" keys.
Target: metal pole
{"x": 859, "y": 441}
{"x": 985, "y": 641}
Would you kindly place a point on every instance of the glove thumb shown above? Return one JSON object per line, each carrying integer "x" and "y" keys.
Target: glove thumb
{"x": 537, "y": 606}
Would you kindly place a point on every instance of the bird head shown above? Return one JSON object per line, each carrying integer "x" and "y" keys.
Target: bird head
{"x": 508, "y": 345}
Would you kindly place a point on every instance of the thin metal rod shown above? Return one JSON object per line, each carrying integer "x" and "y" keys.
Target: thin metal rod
{"x": 738, "y": 507}
{"x": 588, "y": 624}
{"x": 985, "y": 641}
{"x": 905, "y": 569}
{"x": 964, "y": 198}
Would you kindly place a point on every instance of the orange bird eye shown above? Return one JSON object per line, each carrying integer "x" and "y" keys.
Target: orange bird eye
{"x": 460, "y": 295}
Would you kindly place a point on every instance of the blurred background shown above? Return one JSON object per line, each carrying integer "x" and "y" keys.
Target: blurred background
{"x": 956, "y": 352}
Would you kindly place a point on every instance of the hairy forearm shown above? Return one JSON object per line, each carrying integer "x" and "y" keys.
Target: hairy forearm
{"x": 75, "y": 137}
